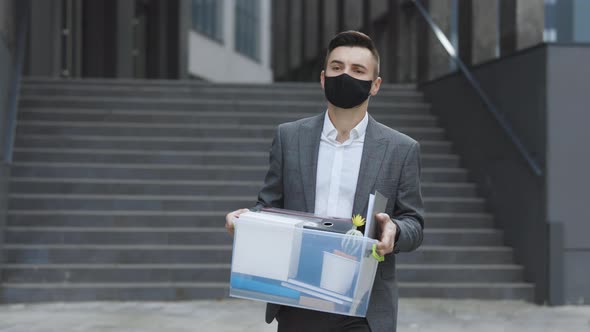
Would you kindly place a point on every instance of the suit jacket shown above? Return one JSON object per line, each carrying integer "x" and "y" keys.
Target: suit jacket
{"x": 390, "y": 164}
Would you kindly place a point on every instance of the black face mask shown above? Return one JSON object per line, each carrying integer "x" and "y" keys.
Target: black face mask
{"x": 345, "y": 91}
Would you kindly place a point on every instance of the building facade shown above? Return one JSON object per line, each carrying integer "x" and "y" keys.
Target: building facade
{"x": 481, "y": 31}
{"x": 217, "y": 41}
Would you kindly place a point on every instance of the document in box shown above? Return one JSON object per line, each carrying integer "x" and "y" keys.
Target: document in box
{"x": 316, "y": 291}
{"x": 377, "y": 204}
{"x": 313, "y": 221}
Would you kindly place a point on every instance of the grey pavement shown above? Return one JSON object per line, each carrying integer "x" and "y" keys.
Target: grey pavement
{"x": 415, "y": 315}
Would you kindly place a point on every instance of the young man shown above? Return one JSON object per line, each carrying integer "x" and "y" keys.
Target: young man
{"x": 330, "y": 163}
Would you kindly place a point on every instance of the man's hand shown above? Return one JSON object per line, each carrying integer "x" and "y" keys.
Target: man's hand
{"x": 229, "y": 220}
{"x": 387, "y": 230}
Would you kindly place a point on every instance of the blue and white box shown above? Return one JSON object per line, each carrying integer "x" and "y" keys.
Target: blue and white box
{"x": 286, "y": 259}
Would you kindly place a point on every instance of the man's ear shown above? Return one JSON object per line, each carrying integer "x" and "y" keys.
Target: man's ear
{"x": 322, "y": 75}
{"x": 375, "y": 86}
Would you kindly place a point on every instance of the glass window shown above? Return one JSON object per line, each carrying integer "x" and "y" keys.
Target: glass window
{"x": 581, "y": 22}
{"x": 550, "y": 32}
{"x": 207, "y": 18}
{"x": 247, "y": 28}
{"x": 566, "y": 21}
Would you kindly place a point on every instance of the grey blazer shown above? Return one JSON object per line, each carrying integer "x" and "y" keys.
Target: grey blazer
{"x": 390, "y": 164}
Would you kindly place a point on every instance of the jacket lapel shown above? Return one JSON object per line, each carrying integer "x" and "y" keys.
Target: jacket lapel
{"x": 309, "y": 145}
{"x": 374, "y": 150}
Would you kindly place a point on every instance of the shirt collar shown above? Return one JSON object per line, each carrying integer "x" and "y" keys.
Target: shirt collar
{"x": 358, "y": 132}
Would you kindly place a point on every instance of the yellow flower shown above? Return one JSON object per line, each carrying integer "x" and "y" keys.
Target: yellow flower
{"x": 358, "y": 220}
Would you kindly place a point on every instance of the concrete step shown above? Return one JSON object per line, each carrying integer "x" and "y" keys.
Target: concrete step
{"x": 116, "y": 218}
{"x": 484, "y": 290}
{"x": 116, "y": 254}
{"x": 259, "y": 93}
{"x": 453, "y": 273}
{"x": 166, "y": 291}
{"x": 449, "y": 190}
{"x": 462, "y": 237}
{"x": 204, "y": 116}
{"x": 36, "y": 201}
{"x": 198, "y": 254}
{"x": 450, "y": 254}
{"x": 67, "y": 292}
{"x": 127, "y": 202}
{"x": 190, "y": 130}
{"x": 133, "y": 187}
{"x": 193, "y": 291}
{"x": 455, "y": 204}
{"x": 183, "y": 104}
{"x": 179, "y": 187}
{"x": 192, "y": 85}
{"x": 118, "y": 273}
{"x": 459, "y": 220}
{"x": 118, "y": 235}
{"x": 202, "y": 236}
{"x": 178, "y": 157}
{"x": 175, "y": 143}
{"x": 115, "y": 273}
{"x": 119, "y": 218}
{"x": 120, "y": 188}
{"x": 182, "y": 172}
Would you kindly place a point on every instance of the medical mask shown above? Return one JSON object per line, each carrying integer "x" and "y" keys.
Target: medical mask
{"x": 345, "y": 91}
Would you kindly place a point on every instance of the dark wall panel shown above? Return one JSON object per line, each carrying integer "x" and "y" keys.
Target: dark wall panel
{"x": 568, "y": 163}
{"x": 515, "y": 195}
{"x": 569, "y": 154}
{"x": 99, "y": 39}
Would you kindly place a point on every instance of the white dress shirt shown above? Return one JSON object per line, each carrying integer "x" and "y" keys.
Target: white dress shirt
{"x": 338, "y": 169}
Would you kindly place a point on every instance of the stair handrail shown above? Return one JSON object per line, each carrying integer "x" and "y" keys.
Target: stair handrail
{"x": 448, "y": 46}
{"x": 23, "y": 8}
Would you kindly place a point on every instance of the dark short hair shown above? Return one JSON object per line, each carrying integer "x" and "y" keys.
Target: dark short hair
{"x": 353, "y": 38}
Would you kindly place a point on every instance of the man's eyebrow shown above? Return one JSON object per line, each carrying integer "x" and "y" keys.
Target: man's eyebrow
{"x": 359, "y": 65}
{"x": 354, "y": 64}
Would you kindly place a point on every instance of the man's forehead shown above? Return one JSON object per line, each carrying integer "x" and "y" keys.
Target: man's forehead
{"x": 352, "y": 54}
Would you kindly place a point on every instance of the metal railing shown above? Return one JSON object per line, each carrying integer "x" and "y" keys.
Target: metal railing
{"x": 475, "y": 84}
{"x": 23, "y": 13}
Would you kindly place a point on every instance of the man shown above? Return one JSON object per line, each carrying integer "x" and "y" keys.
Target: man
{"x": 330, "y": 163}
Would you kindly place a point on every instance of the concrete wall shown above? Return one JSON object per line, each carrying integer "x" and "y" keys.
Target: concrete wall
{"x": 485, "y": 30}
{"x": 353, "y": 17}
{"x": 435, "y": 60}
{"x": 530, "y": 23}
{"x": 420, "y": 56}
{"x": 294, "y": 37}
{"x": 7, "y": 41}
{"x": 6, "y": 70}
{"x": 44, "y": 39}
{"x": 4, "y": 177}
{"x": 8, "y": 31}
{"x": 515, "y": 195}
{"x": 310, "y": 25}
{"x": 568, "y": 162}
{"x": 310, "y": 30}
{"x": 219, "y": 62}
{"x": 330, "y": 28}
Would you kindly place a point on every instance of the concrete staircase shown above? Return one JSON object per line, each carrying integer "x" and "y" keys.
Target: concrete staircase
{"x": 119, "y": 191}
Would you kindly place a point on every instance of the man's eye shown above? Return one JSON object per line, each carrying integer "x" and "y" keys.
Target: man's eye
{"x": 335, "y": 68}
